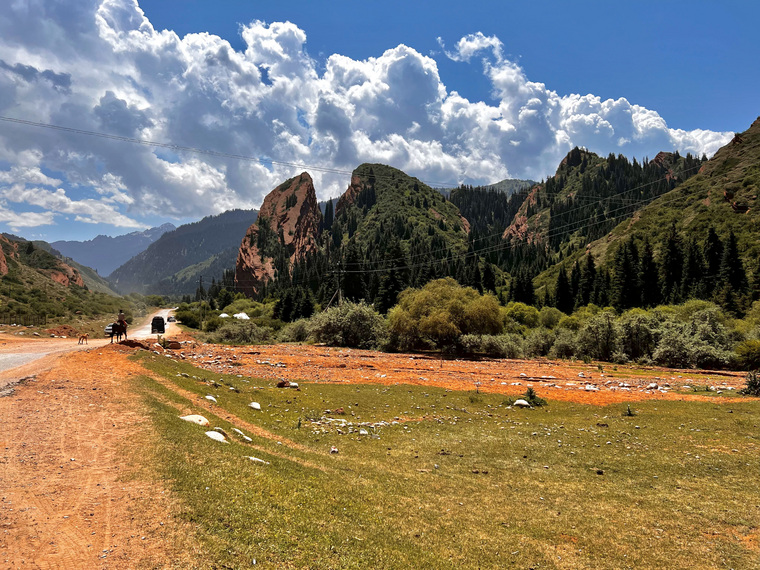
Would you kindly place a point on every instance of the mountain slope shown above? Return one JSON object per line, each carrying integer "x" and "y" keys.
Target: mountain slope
{"x": 105, "y": 253}
{"x": 212, "y": 241}
{"x": 722, "y": 196}
{"x": 92, "y": 280}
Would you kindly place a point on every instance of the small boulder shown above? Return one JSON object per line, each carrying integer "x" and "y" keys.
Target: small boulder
{"x": 254, "y": 406}
{"x": 196, "y": 419}
{"x": 257, "y": 460}
{"x": 521, "y": 404}
{"x": 211, "y": 399}
{"x": 216, "y": 436}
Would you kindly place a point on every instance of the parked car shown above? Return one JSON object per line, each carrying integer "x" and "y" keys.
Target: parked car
{"x": 107, "y": 330}
{"x": 157, "y": 325}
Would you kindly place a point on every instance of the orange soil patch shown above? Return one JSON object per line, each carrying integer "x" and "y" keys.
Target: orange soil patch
{"x": 69, "y": 459}
{"x": 557, "y": 380}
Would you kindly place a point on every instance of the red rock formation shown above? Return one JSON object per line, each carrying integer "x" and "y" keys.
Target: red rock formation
{"x": 350, "y": 195}
{"x": 66, "y": 275}
{"x": 3, "y": 261}
{"x": 292, "y": 217}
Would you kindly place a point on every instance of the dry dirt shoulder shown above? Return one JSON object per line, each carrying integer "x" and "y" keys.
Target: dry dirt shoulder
{"x": 72, "y": 492}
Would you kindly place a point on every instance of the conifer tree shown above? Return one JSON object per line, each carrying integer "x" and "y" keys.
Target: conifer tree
{"x": 648, "y": 277}
{"x": 713, "y": 253}
{"x": 692, "y": 281}
{"x": 586, "y": 281}
{"x": 671, "y": 266}
{"x": 564, "y": 299}
{"x": 575, "y": 280}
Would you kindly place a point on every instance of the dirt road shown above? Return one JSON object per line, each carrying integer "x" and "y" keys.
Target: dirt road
{"x": 72, "y": 493}
{"x": 24, "y": 357}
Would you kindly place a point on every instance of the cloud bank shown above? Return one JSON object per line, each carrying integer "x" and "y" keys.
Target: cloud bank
{"x": 99, "y": 65}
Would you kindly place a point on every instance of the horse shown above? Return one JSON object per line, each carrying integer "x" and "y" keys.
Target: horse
{"x": 118, "y": 329}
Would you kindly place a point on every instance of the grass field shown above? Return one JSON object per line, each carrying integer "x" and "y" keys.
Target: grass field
{"x": 454, "y": 479}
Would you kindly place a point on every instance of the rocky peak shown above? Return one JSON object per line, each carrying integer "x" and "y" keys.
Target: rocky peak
{"x": 285, "y": 232}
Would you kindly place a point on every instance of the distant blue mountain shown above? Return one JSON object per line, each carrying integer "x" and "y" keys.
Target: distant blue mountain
{"x": 105, "y": 253}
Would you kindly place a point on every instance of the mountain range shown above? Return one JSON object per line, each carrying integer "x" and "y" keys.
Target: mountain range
{"x": 175, "y": 263}
{"x": 389, "y": 231}
{"x": 105, "y": 253}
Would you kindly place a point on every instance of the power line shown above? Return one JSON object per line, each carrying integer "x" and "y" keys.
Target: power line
{"x": 202, "y": 151}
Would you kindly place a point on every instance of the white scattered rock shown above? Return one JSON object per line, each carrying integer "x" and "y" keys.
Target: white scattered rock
{"x": 523, "y": 375}
{"x": 581, "y": 375}
{"x": 256, "y": 460}
{"x": 652, "y": 386}
{"x": 521, "y": 404}
{"x": 196, "y": 419}
{"x": 211, "y": 399}
{"x": 220, "y": 430}
{"x": 216, "y": 436}
{"x": 363, "y": 432}
{"x": 254, "y": 405}
{"x": 333, "y": 449}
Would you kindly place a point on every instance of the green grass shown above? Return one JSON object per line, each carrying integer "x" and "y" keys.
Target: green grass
{"x": 678, "y": 489}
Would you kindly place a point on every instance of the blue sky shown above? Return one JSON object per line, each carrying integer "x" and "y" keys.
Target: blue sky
{"x": 449, "y": 92}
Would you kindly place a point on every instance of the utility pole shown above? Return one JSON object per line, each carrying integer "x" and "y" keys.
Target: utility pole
{"x": 340, "y": 278}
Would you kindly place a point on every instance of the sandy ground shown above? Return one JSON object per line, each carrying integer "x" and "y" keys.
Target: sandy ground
{"x": 72, "y": 493}
{"x": 557, "y": 380}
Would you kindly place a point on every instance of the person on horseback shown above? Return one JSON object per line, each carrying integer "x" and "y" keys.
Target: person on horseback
{"x": 122, "y": 319}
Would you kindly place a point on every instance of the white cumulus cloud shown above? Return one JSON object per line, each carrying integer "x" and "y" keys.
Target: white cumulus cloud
{"x": 100, "y": 66}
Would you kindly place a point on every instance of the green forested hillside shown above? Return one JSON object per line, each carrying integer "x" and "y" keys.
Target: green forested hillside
{"x": 700, "y": 240}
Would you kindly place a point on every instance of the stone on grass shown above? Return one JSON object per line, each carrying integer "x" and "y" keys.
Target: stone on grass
{"x": 257, "y": 460}
{"x": 196, "y": 419}
{"x": 211, "y": 399}
{"x": 216, "y": 436}
{"x": 333, "y": 449}
{"x": 521, "y": 404}
{"x": 254, "y": 405}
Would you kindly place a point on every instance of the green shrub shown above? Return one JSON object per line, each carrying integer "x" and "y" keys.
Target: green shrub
{"x": 213, "y": 323}
{"x": 598, "y": 337}
{"x": 470, "y": 343}
{"x": 639, "y": 332}
{"x": 570, "y": 323}
{"x": 674, "y": 348}
{"x": 235, "y": 331}
{"x": 564, "y": 344}
{"x": 297, "y": 331}
{"x": 549, "y": 317}
{"x": 753, "y": 384}
{"x": 188, "y": 317}
{"x": 523, "y": 314}
{"x": 748, "y": 354}
{"x": 502, "y": 346}
{"x": 355, "y": 325}
{"x": 533, "y": 399}
{"x": 440, "y": 313}
{"x": 539, "y": 342}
